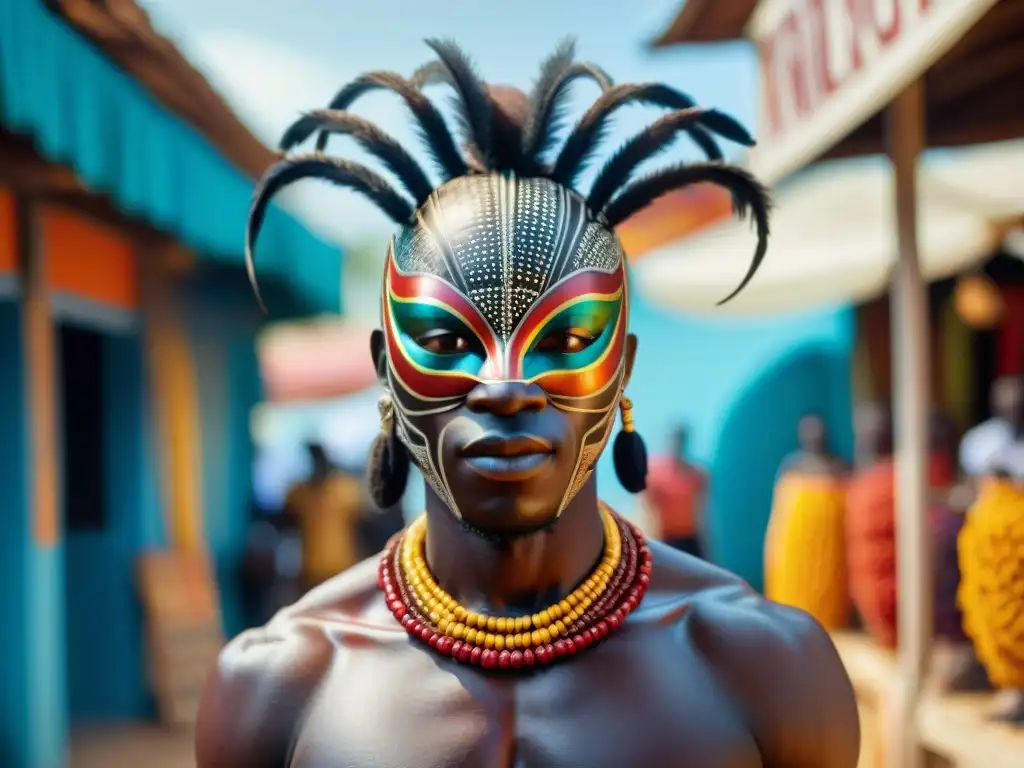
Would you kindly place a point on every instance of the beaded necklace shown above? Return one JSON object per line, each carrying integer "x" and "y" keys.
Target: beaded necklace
{"x": 584, "y": 617}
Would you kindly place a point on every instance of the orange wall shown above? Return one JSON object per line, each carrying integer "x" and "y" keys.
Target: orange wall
{"x": 8, "y": 240}
{"x": 89, "y": 259}
{"x": 83, "y": 257}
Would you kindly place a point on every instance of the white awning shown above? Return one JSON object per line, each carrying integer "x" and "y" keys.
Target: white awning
{"x": 833, "y": 237}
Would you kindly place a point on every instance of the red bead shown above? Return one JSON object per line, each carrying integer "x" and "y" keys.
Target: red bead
{"x": 406, "y": 621}
{"x": 475, "y": 655}
{"x": 643, "y": 578}
{"x": 528, "y": 658}
{"x": 457, "y": 649}
{"x": 602, "y": 628}
{"x": 594, "y": 634}
{"x": 542, "y": 654}
{"x": 633, "y": 602}
{"x": 426, "y": 633}
{"x": 396, "y": 606}
{"x": 516, "y": 659}
{"x": 580, "y": 642}
{"x": 415, "y": 627}
{"x": 465, "y": 653}
{"x": 560, "y": 647}
{"x": 489, "y": 659}
{"x": 504, "y": 660}
{"x": 435, "y": 638}
{"x": 614, "y": 621}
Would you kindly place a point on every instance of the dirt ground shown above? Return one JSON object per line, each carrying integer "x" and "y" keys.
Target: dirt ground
{"x": 131, "y": 747}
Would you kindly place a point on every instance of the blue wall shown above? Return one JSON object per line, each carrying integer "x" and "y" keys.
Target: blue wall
{"x": 739, "y": 386}
{"x": 223, "y": 319}
{"x": 106, "y": 662}
{"x": 13, "y": 539}
{"x": 33, "y": 711}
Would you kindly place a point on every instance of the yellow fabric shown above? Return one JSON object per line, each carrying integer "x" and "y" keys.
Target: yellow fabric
{"x": 805, "y": 553}
{"x": 991, "y": 595}
{"x": 327, "y": 512}
{"x": 957, "y": 351}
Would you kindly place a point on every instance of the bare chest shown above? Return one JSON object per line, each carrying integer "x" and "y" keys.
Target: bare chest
{"x": 616, "y": 707}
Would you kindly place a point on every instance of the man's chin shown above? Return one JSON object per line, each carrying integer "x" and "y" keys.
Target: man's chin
{"x": 509, "y": 525}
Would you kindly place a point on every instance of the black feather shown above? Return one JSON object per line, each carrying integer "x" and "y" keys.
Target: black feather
{"x": 473, "y": 105}
{"x": 372, "y": 139}
{"x": 432, "y": 127}
{"x": 592, "y": 127}
{"x": 316, "y": 166}
{"x": 749, "y": 197}
{"x": 550, "y": 106}
{"x": 653, "y": 139}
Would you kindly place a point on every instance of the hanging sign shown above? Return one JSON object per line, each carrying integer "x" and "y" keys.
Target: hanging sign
{"x": 829, "y": 65}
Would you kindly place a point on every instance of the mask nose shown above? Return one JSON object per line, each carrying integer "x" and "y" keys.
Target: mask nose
{"x": 506, "y": 398}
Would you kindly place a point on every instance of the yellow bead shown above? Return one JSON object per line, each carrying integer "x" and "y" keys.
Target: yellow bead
{"x": 552, "y": 632}
{"x": 434, "y": 618}
{"x": 545, "y": 636}
{"x": 488, "y": 640}
{"x": 471, "y": 619}
{"x": 545, "y": 617}
{"x": 492, "y": 624}
{"x": 459, "y": 631}
{"x": 555, "y": 612}
{"x": 499, "y": 642}
{"x": 517, "y": 624}
{"x": 471, "y": 636}
{"x": 523, "y": 640}
{"x": 572, "y": 599}
{"x": 536, "y": 620}
{"x": 500, "y": 624}
{"x": 560, "y": 627}
{"x": 535, "y": 637}
{"x": 460, "y": 613}
{"x": 564, "y": 607}
{"x": 442, "y": 625}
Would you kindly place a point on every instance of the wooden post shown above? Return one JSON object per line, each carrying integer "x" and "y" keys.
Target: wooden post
{"x": 911, "y": 404}
{"x": 175, "y": 402}
{"x": 43, "y": 625}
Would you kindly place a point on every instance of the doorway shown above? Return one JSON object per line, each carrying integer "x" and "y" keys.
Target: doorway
{"x": 102, "y": 440}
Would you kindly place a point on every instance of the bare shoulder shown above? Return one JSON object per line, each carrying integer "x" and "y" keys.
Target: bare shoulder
{"x": 778, "y": 662}
{"x": 255, "y": 695}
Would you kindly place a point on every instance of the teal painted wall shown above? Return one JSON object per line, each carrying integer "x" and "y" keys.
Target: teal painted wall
{"x": 106, "y": 664}
{"x": 13, "y": 541}
{"x": 33, "y": 708}
{"x": 739, "y": 386}
{"x": 223, "y": 320}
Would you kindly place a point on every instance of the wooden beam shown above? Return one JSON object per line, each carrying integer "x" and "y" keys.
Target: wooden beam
{"x": 22, "y": 170}
{"x": 41, "y": 375}
{"x": 911, "y": 405}
{"x": 175, "y": 400}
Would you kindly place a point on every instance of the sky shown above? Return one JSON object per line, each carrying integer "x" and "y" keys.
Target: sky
{"x": 274, "y": 59}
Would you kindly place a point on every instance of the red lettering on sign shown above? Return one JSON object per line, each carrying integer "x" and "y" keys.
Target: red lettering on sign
{"x": 818, "y": 45}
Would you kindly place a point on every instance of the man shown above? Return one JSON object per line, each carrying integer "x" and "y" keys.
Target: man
{"x": 676, "y": 490}
{"x": 325, "y": 507}
{"x": 990, "y": 445}
{"x": 519, "y": 622}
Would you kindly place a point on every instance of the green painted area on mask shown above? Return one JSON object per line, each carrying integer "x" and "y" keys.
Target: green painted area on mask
{"x": 416, "y": 318}
{"x": 593, "y": 317}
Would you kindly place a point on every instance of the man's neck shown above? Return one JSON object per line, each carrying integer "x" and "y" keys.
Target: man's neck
{"x": 520, "y": 575}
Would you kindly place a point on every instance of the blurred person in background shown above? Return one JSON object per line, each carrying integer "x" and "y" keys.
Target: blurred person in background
{"x": 675, "y": 496}
{"x": 986, "y": 441}
{"x": 326, "y": 508}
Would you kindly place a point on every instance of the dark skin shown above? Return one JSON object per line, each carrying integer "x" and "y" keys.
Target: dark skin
{"x": 705, "y": 673}
{"x": 814, "y": 457}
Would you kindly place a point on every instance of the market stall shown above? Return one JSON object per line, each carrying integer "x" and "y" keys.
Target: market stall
{"x": 845, "y": 79}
